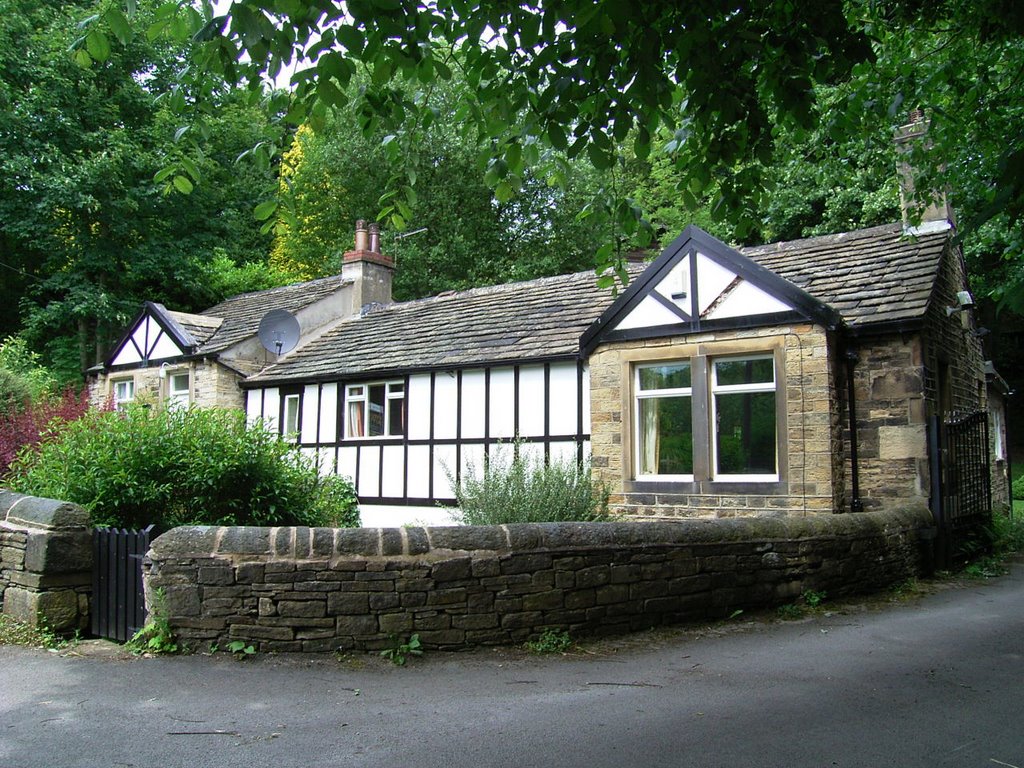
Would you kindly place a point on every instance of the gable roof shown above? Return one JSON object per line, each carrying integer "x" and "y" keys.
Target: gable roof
{"x": 870, "y": 276}
{"x": 241, "y": 315}
{"x": 530, "y": 320}
{"x": 860, "y": 279}
{"x": 698, "y": 283}
{"x": 154, "y": 334}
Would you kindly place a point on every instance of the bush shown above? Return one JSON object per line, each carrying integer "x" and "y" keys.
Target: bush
{"x": 1018, "y": 488}
{"x": 514, "y": 488}
{"x": 15, "y": 393}
{"x": 24, "y": 428}
{"x": 175, "y": 467}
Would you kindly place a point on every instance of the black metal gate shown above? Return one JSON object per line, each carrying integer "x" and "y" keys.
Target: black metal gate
{"x": 118, "y": 601}
{"x": 961, "y": 484}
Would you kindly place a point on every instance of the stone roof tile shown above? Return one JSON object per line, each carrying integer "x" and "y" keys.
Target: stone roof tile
{"x": 869, "y": 276}
{"x": 851, "y": 271}
{"x": 241, "y": 314}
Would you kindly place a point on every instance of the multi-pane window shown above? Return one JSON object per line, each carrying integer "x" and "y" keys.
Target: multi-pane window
{"x": 178, "y": 390}
{"x": 743, "y": 413}
{"x": 737, "y": 438}
{"x": 290, "y": 417}
{"x": 664, "y": 418}
{"x": 375, "y": 410}
{"x": 124, "y": 393}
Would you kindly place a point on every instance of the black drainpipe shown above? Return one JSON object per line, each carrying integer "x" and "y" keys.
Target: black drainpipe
{"x": 856, "y": 505}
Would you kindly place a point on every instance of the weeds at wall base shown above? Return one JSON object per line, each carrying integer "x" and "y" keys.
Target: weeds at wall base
{"x": 550, "y": 641}
{"x": 400, "y": 652}
{"x": 14, "y": 632}
{"x": 156, "y": 637}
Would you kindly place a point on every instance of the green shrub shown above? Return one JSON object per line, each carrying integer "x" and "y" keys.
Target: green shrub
{"x": 512, "y": 487}
{"x": 181, "y": 467}
{"x": 22, "y": 375}
{"x": 15, "y": 392}
{"x": 1018, "y": 488}
{"x": 1007, "y": 534}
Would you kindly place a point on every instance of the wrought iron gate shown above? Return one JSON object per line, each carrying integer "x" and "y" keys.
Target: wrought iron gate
{"x": 118, "y": 601}
{"x": 961, "y": 483}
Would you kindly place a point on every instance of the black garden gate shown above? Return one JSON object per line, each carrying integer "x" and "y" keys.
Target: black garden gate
{"x": 961, "y": 492}
{"x": 118, "y": 601}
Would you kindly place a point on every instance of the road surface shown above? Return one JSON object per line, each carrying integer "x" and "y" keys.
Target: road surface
{"x": 937, "y": 681}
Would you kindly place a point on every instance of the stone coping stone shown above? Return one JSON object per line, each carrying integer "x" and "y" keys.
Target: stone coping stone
{"x": 285, "y": 543}
{"x": 18, "y": 510}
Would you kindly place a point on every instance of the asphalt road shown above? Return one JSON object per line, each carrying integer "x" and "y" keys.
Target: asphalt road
{"x": 938, "y": 681}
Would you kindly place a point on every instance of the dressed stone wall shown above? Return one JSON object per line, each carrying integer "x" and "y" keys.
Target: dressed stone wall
{"x": 302, "y": 589}
{"x": 903, "y": 378}
{"x": 45, "y": 562}
{"x": 211, "y": 385}
{"x": 809, "y": 431}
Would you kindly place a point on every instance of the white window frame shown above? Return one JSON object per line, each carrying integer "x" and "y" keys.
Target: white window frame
{"x": 359, "y": 395}
{"x": 715, "y": 389}
{"x": 703, "y": 384}
{"x": 120, "y": 403}
{"x": 291, "y": 416}
{"x": 652, "y": 394}
{"x": 179, "y": 398}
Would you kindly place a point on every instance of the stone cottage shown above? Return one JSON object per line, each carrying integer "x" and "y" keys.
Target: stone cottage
{"x": 794, "y": 378}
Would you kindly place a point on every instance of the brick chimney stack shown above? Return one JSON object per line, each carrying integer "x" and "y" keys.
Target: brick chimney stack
{"x": 938, "y": 214}
{"x": 370, "y": 270}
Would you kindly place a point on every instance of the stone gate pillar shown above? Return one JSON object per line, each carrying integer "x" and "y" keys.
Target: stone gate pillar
{"x": 45, "y": 562}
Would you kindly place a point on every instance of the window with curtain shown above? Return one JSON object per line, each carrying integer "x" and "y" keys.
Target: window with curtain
{"x": 375, "y": 410}
{"x": 742, "y": 410}
{"x": 664, "y": 420}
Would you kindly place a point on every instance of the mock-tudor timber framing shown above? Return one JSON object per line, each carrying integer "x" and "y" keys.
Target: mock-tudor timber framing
{"x": 855, "y": 324}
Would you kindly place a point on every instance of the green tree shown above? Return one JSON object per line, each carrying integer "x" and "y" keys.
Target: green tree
{"x": 459, "y": 235}
{"x": 82, "y": 220}
{"x": 584, "y": 77}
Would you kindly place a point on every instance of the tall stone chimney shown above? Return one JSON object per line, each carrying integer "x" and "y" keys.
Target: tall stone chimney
{"x": 938, "y": 215}
{"x": 369, "y": 269}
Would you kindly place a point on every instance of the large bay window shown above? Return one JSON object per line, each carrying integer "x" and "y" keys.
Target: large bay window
{"x": 375, "y": 410}
{"x": 706, "y": 418}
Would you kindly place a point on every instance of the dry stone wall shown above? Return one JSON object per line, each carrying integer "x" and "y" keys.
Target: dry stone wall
{"x": 302, "y": 589}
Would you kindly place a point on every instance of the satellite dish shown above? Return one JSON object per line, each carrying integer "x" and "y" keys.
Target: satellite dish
{"x": 279, "y": 331}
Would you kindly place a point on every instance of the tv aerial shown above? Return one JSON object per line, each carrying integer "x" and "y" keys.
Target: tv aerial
{"x": 279, "y": 331}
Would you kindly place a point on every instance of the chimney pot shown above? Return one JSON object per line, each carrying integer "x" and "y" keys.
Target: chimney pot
{"x": 361, "y": 235}
{"x": 374, "y": 238}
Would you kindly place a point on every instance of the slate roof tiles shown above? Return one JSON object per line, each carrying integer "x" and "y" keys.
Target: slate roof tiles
{"x": 869, "y": 276}
{"x": 501, "y": 323}
{"x": 241, "y": 314}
